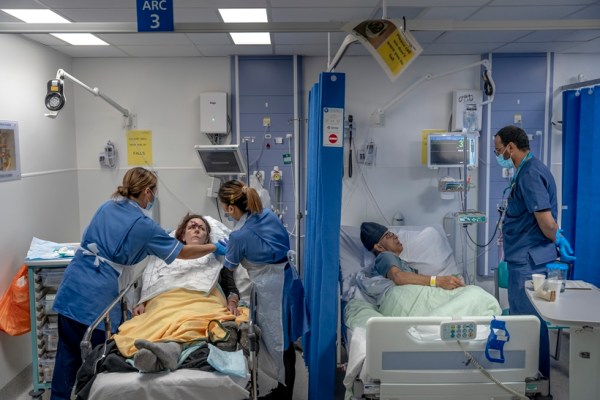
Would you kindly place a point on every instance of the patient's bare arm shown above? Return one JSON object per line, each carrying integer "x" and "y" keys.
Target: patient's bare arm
{"x": 400, "y": 277}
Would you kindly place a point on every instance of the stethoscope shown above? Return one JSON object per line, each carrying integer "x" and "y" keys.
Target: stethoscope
{"x": 511, "y": 188}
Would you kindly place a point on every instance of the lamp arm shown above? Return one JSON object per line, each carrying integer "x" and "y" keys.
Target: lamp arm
{"x": 428, "y": 77}
{"x": 348, "y": 40}
{"x": 61, "y": 74}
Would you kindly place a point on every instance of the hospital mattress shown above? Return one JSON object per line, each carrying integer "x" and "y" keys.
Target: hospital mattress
{"x": 180, "y": 384}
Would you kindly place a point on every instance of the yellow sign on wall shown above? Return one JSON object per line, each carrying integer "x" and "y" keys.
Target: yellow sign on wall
{"x": 139, "y": 147}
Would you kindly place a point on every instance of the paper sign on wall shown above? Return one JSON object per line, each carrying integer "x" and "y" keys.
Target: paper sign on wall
{"x": 139, "y": 147}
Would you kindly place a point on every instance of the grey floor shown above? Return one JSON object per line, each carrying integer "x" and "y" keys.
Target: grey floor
{"x": 19, "y": 388}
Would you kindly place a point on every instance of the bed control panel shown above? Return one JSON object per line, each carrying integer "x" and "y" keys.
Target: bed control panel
{"x": 458, "y": 330}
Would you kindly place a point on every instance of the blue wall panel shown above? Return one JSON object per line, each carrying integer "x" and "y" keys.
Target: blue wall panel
{"x": 266, "y": 89}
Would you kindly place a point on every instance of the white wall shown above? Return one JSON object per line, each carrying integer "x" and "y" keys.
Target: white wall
{"x": 44, "y": 203}
{"x": 398, "y": 181}
{"x": 164, "y": 93}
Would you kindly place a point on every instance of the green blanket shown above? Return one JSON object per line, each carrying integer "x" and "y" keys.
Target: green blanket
{"x": 424, "y": 301}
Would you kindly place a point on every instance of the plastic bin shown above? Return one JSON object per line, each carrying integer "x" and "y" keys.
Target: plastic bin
{"x": 47, "y": 303}
{"x": 50, "y": 337}
{"x": 46, "y": 367}
{"x": 51, "y": 278}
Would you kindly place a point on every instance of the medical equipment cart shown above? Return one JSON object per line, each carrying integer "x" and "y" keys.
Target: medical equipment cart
{"x": 44, "y": 278}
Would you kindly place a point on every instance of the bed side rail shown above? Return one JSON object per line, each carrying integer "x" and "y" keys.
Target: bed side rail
{"x": 86, "y": 344}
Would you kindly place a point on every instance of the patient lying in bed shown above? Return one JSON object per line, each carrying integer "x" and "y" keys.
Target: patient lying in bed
{"x": 178, "y": 302}
{"x": 394, "y": 288}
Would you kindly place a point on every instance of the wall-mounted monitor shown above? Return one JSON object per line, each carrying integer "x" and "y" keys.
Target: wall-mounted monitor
{"x": 221, "y": 160}
{"x": 445, "y": 150}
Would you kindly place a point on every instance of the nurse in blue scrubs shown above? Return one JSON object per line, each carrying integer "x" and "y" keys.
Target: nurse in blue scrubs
{"x": 530, "y": 233}
{"x": 118, "y": 240}
{"x": 260, "y": 243}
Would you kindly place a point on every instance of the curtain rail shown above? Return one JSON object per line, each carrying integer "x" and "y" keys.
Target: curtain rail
{"x": 579, "y": 85}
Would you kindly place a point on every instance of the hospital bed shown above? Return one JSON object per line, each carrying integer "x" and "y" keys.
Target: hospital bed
{"x": 181, "y": 384}
{"x": 404, "y": 357}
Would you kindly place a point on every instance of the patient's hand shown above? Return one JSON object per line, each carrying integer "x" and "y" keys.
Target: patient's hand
{"x": 232, "y": 303}
{"x": 139, "y": 309}
{"x": 449, "y": 282}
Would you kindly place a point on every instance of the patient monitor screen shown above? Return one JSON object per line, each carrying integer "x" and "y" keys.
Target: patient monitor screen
{"x": 449, "y": 150}
{"x": 221, "y": 160}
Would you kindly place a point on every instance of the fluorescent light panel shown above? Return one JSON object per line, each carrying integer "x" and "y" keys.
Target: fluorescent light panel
{"x": 243, "y": 38}
{"x": 37, "y": 16}
{"x": 233, "y": 15}
{"x": 80, "y": 39}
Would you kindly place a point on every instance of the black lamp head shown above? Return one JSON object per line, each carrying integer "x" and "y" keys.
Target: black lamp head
{"x": 55, "y": 100}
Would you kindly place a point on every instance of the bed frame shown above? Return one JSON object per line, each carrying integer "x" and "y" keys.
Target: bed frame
{"x": 182, "y": 383}
{"x": 402, "y": 364}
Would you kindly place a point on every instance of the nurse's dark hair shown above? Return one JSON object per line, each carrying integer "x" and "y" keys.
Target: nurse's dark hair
{"x": 237, "y": 194}
{"x": 514, "y": 134}
{"x": 135, "y": 181}
{"x": 180, "y": 231}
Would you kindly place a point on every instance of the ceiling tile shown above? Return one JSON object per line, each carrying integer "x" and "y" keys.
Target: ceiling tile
{"x": 322, "y": 14}
{"x": 45, "y": 38}
{"x": 98, "y": 15}
{"x": 199, "y": 15}
{"x": 88, "y": 4}
{"x": 544, "y": 3}
{"x": 161, "y": 51}
{"x": 222, "y": 51}
{"x": 480, "y": 37}
{"x": 437, "y": 3}
{"x": 319, "y": 38}
{"x": 590, "y": 12}
{"x": 426, "y": 36}
{"x": 535, "y": 47}
{"x": 90, "y": 51}
{"x": 153, "y": 38}
{"x": 524, "y": 13}
{"x": 320, "y": 3}
{"x": 460, "y": 48}
{"x": 448, "y": 13}
{"x": 210, "y": 38}
{"x": 589, "y": 47}
{"x": 561, "y": 36}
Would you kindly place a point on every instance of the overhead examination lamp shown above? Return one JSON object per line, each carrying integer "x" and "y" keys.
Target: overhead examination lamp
{"x": 55, "y": 99}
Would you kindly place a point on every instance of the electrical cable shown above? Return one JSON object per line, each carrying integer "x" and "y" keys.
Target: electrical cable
{"x": 350, "y": 120}
{"x": 488, "y": 375}
{"x": 247, "y": 165}
{"x": 218, "y": 209}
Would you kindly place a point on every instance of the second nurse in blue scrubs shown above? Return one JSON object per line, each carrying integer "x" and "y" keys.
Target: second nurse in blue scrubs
{"x": 260, "y": 243}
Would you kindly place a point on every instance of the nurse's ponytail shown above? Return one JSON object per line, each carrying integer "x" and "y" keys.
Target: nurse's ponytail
{"x": 135, "y": 181}
{"x": 237, "y": 194}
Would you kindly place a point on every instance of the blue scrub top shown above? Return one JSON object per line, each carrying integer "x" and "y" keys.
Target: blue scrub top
{"x": 534, "y": 190}
{"x": 261, "y": 240}
{"x": 123, "y": 235}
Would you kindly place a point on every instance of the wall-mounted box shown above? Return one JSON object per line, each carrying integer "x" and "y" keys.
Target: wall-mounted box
{"x": 465, "y": 103}
{"x": 213, "y": 112}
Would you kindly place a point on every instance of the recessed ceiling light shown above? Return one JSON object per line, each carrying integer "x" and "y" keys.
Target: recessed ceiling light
{"x": 37, "y": 16}
{"x": 251, "y": 37}
{"x": 243, "y": 15}
{"x": 80, "y": 39}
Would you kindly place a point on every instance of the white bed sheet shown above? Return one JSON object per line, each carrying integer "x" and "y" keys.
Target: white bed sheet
{"x": 180, "y": 384}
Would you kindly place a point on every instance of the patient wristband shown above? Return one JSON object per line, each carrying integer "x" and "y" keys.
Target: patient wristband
{"x": 432, "y": 280}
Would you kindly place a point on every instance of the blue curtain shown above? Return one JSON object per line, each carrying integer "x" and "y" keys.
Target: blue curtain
{"x": 581, "y": 179}
{"x": 322, "y": 240}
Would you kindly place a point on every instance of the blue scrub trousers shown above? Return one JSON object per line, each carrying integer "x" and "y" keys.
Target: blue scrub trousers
{"x": 520, "y": 305}
{"x": 68, "y": 355}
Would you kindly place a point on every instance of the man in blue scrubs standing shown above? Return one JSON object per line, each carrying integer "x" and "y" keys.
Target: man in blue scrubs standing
{"x": 530, "y": 233}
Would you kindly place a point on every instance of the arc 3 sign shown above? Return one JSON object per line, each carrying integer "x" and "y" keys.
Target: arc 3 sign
{"x": 333, "y": 127}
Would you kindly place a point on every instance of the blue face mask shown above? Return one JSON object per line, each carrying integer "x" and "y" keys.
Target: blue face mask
{"x": 229, "y": 217}
{"x": 151, "y": 203}
{"x": 504, "y": 163}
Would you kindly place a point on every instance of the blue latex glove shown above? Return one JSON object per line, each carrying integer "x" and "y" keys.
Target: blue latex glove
{"x": 564, "y": 248}
{"x": 221, "y": 248}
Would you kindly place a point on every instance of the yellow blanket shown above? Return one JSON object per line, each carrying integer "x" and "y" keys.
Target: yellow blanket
{"x": 178, "y": 315}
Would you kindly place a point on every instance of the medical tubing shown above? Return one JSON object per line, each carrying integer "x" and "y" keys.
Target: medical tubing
{"x": 489, "y": 376}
